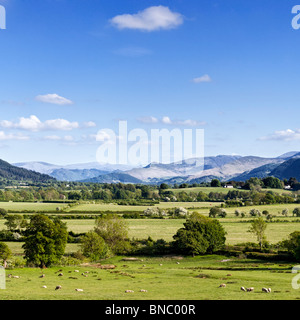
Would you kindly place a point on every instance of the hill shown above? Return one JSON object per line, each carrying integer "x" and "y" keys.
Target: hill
{"x": 288, "y": 169}
{"x": 10, "y": 172}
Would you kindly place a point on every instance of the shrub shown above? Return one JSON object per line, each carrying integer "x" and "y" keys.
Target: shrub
{"x": 200, "y": 235}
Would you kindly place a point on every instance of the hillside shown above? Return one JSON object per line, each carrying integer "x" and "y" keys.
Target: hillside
{"x": 10, "y": 172}
{"x": 288, "y": 169}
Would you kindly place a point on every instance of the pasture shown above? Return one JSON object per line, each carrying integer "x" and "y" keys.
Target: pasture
{"x": 200, "y": 279}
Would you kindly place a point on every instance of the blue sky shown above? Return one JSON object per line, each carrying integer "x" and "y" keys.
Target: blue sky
{"x": 70, "y": 68}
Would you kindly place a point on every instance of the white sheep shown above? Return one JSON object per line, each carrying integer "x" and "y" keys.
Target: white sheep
{"x": 80, "y": 290}
{"x": 129, "y": 291}
{"x": 243, "y": 289}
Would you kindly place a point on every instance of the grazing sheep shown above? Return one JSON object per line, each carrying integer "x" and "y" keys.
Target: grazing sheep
{"x": 142, "y": 290}
{"x": 268, "y": 290}
{"x": 160, "y": 264}
{"x": 223, "y": 285}
{"x": 16, "y": 277}
{"x": 45, "y": 287}
{"x": 58, "y": 287}
{"x": 129, "y": 291}
{"x": 60, "y": 274}
{"x": 250, "y": 289}
{"x": 76, "y": 270}
{"x": 178, "y": 262}
{"x": 80, "y": 290}
{"x": 42, "y": 276}
{"x": 243, "y": 289}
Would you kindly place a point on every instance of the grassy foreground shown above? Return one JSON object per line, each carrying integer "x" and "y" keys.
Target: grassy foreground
{"x": 199, "y": 279}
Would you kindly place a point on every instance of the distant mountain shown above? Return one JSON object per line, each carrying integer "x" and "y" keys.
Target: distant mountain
{"x": 195, "y": 170}
{"x": 156, "y": 172}
{"x": 288, "y": 169}
{"x": 114, "y": 177}
{"x": 235, "y": 168}
{"x": 289, "y": 155}
{"x": 10, "y": 172}
{"x": 260, "y": 172}
{"x": 76, "y": 174}
{"x": 72, "y": 172}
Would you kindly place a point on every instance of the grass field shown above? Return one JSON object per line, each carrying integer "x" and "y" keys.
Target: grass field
{"x": 113, "y": 207}
{"x": 207, "y": 190}
{"x": 28, "y": 206}
{"x": 199, "y": 279}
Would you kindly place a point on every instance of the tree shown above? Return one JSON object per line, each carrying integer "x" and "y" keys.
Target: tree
{"x": 45, "y": 240}
{"x": 258, "y": 227}
{"x": 293, "y": 244}
{"x": 200, "y": 235}
{"x": 214, "y": 211}
{"x": 93, "y": 246}
{"x": 3, "y": 212}
{"x": 215, "y": 183}
{"x": 296, "y": 212}
{"x": 114, "y": 231}
{"x": 14, "y": 222}
{"x": 5, "y": 253}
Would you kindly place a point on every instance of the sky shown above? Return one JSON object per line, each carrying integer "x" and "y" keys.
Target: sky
{"x": 71, "y": 68}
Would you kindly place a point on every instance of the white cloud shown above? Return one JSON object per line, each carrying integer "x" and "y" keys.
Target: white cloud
{"x": 166, "y": 120}
{"x": 4, "y": 136}
{"x": 33, "y": 123}
{"x": 58, "y": 138}
{"x": 150, "y": 19}
{"x": 89, "y": 124}
{"x": 53, "y": 99}
{"x": 205, "y": 78}
{"x": 283, "y": 135}
{"x": 148, "y": 119}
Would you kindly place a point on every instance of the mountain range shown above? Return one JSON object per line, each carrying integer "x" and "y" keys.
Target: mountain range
{"x": 196, "y": 170}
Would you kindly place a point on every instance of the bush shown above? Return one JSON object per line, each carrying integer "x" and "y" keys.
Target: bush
{"x": 200, "y": 235}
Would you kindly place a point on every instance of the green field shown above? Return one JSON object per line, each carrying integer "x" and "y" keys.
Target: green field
{"x": 199, "y": 279}
{"x": 207, "y": 190}
{"x": 31, "y": 206}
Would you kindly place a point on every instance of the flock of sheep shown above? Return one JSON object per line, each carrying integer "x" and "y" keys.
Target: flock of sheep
{"x": 267, "y": 290}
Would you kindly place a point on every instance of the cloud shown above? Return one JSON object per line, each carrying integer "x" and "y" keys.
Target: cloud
{"x": 284, "y": 135}
{"x": 148, "y": 120}
{"x": 5, "y": 137}
{"x": 33, "y": 123}
{"x": 150, "y": 19}
{"x": 58, "y": 138}
{"x": 89, "y": 124}
{"x": 205, "y": 78}
{"x": 166, "y": 120}
{"x": 53, "y": 99}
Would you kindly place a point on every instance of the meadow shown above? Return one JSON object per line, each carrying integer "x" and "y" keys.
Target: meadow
{"x": 199, "y": 277}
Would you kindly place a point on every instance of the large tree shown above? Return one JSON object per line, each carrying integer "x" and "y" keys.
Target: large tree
{"x": 199, "y": 235}
{"x": 5, "y": 253}
{"x": 45, "y": 240}
{"x": 258, "y": 227}
{"x": 114, "y": 231}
